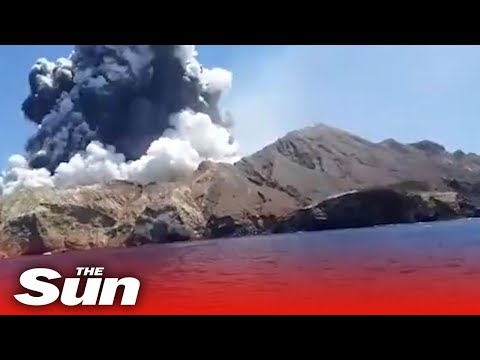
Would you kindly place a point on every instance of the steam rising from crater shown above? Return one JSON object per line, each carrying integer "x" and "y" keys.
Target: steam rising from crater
{"x": 134, "y": 112}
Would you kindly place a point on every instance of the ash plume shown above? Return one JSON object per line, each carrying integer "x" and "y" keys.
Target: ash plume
{"x": 136, "y": 112}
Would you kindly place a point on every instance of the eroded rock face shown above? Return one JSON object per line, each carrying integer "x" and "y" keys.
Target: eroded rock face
{"x": 379, "y": 206}
{"x": 41, "y": 220}
{"x": 178, "y": 219}
{"x": 119, "y": 214}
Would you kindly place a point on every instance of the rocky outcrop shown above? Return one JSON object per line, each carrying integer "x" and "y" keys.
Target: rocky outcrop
{"x": 216, "y": 201}
{"x": 377, "y": 206}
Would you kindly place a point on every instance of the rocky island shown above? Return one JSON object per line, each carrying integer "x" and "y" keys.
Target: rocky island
{"x": 311, "y": 179}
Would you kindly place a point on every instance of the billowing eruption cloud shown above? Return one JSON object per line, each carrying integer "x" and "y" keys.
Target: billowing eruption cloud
{"x": 134, "y": 112}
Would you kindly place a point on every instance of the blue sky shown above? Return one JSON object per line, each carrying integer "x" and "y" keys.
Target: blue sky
{"x": 404, "y": 92}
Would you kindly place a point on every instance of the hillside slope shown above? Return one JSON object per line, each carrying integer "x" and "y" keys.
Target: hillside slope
{"x": 316, "y": 162}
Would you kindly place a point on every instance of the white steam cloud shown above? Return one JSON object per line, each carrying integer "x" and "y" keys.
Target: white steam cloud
{"x": 193, "y": 139}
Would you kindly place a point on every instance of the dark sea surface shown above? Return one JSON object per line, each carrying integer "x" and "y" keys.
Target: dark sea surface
{"x": 414, "y": 268}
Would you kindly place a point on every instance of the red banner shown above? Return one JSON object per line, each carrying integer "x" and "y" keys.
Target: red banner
{"x": 339, "y": 288}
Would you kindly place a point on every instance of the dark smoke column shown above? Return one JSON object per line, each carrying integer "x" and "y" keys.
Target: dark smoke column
{"x": 120, "y": 95}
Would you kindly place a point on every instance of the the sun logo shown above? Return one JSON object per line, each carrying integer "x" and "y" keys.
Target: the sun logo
{"x": 94, "y": 293}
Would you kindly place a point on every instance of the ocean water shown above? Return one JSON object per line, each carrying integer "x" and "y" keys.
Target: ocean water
{"x": 414, "y": 268}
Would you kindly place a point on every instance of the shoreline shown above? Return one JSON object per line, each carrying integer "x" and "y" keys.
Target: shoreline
{"x": 200, "y": 242}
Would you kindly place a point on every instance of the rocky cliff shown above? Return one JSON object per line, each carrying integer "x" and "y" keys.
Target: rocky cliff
{"x": 216, "y": 201}
{"x": 377, "y": 206}
{"x": 292, "y": 184}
